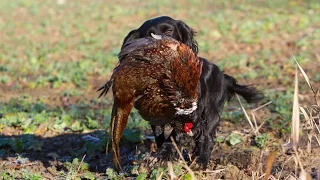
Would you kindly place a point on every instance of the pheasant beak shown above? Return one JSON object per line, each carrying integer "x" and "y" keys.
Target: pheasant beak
{"x": 187, "y": 128}
{"x": 190, "y": 133}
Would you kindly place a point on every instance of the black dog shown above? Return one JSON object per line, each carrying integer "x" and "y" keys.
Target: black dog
{"x": 215, "y": 88}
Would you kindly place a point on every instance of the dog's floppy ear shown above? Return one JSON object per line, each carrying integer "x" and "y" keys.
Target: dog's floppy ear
{"x": 134, "y": 34}
{"x": 187, "y": 36}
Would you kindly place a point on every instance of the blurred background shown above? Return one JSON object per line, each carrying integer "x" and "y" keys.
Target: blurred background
{"x": 69, "y": 45}
{"x": 55, "y": 54}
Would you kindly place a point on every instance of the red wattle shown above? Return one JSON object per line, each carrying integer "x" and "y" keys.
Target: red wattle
{"x": 187, "y": 127}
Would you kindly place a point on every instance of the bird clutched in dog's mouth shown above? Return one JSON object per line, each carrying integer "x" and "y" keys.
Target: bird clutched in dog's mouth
{"x": 158, "y": 76}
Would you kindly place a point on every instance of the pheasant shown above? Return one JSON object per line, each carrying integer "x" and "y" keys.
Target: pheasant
{"x": 159, "y": 76}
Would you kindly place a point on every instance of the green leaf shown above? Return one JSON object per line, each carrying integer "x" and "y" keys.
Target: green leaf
{"x": 75, "y": 161}
{"x": 187, "y": 177}
{"x": 84, "y": 166}
{"x": 220, "y": 139}
{"x": 234, "y": 139}
{"x": 76, "y": 126}
{"x": 156, "y": 173}
{"x": 91, "y": 124}
{"x": 38, "y": 107}
{"x": 142, "y": 176}
{"x": 88, "y": 175}
{"x": 111, "y": 174}
{"x": 261, "y": 140}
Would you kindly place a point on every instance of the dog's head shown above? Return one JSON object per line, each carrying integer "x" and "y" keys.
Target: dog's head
{"x": 165, "y": 25}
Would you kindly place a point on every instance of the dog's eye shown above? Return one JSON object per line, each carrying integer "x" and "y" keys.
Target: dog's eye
{"x": 168, "y": 32}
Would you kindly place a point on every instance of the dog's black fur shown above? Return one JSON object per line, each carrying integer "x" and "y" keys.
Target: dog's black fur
{"x": 215, "y": 87}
